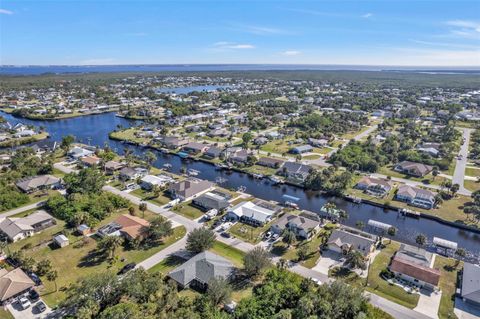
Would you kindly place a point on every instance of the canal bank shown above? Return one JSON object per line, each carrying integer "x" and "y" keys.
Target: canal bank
{"x": 94, "y": 130}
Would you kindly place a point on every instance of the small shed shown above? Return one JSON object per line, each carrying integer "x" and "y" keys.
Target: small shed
{"x": 61, "y": 240}
{"x": 83, "y": 229}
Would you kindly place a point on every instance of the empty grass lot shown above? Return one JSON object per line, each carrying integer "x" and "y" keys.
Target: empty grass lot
{"x": 448, "y": 282}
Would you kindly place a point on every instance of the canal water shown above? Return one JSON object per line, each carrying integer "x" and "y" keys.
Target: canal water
{"x": 94, "y": 130}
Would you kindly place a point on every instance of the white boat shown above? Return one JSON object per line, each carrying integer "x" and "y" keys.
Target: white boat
{"x": 193, "y": 172}
{"x": 291, "y": 204}
{"x": 167, "y": 166}
{"x": 275, "y": 179}
{"x": 258, "y": 176}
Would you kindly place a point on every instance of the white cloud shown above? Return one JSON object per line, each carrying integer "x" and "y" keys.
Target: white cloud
{"x": 4, "y": 11}
{"x": 291, "y": 53}
{"x": 260, "y": 30}
{"x": 465, "y": 29}
{"x": 232, "y": 45}
{"x": 367, "y": 15}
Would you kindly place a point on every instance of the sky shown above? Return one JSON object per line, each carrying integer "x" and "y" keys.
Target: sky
{"x": 102, "y": 32}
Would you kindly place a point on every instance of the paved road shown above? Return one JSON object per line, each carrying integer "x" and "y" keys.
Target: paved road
{"x": 459, "y": 174}
{"x": 366, "y": 132}
{"x": 394, "y": 309}
{"x": 22, "y": 209}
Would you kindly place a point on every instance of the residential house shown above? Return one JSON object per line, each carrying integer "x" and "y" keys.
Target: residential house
{"x": 89, "y": 161}
{"x": 189, "y": 188}
{"x": 374, "y": 186}
{"x": 304, "y": 226}
{"x": 40, "y": 182}
{"x": 195, "y": 148}
{"x": 416, "y": 196}
{"x": 413, "y": 168}
{"x": 131, "y": 173}
{"x": 112, "y": 166}
{"x": 213, "y": 152}
{"x": 471, "y": 283}
{"x": 78, "y": 152}
{"x": 199, "y": 270}
{"x": 250, "y": 213}
{"x": 318, "y": 142}
{"x": 414, "y": 264}
{"x": 270, "y": 162}
{"x": 148, "y": 182}
{"x": 301, "y": 149}
{"x": 13, "y": 284}
{"x": 131, "y": 227}
{"x": 172, "y": 142}
{"x": 432, "y": 149}
{"x": 260, "y": 140}
{"x": 212, "y": 200}
{"x": 342, "y": 241}
{"x": 18, "y": 228}
{"x": 239, "y": 157}
{"x": 295, "y": 172}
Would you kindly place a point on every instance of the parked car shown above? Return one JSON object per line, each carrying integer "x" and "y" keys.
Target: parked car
{"x": 24, "y": 303}
{"x": 226, "y": 235}
{"x": 126, "y": 268}
{"x": 268, "y": 235}
{"x": 41, "y": 307}
{"x": 33, "y": 295}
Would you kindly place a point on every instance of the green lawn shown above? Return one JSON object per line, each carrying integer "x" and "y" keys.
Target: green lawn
{"x": 470, "y": 171}
{"x": 448, "y": 283}
{"x": 381, "y": 287}
{"x": 231, "y": 253}
{"x": 129, "y": 135}
{"x": 79, "y": 258}
{"x": 471, "y": 185}
{"x": 248, "y": 233}
{"x": 427, "y": 179}
{"x": 281, "y": 249}
{"x": 188, "y": 210}
{"x": 161, "y": 200}
{"x": 258, "y": 169}
{"x": 167, "y": 265}
{"x": 5, "y": 314}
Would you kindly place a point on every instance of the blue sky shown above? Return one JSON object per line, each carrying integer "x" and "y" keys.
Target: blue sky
{"x": 406, "y": 32}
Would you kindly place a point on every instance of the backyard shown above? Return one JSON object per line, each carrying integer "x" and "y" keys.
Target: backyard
{"x": 448, "y": 282}
{"x": 80, "y": 259}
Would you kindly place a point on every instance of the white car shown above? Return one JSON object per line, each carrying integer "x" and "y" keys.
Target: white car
{"x": 24, "y": 303}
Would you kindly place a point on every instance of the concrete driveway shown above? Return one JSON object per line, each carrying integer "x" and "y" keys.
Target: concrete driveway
{"x": 29, "y": 313}
{"x": 428, "y": 303}
{"x": 328, "y": 260}
{"x": 466, "y": 311}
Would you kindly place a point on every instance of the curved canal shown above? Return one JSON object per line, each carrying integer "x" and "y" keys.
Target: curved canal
{"x": 94, "y": 130}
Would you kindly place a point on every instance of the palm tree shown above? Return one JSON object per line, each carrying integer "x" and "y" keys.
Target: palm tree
{"x": 143, "y": 208}
{"x": 355, "y": 260}
{"x": 289, "y": 237}
{"x": 110, "y": 244}
{"x": 52, "y": 275}
{"x": 421, "y": 239}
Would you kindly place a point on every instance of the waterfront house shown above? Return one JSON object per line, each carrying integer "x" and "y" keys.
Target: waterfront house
{"x": 189, "y": 188}
{"x": 212, "y": 200}
{"x": 250, "y": 213}
{"x": 172, "y": 142}
{"x": 13, "y": 284}
{"x": 78, "y": 152}
{"x": 199, "y": 270}
{"x": 471, "y": 284}
{"x": 343, "y": 241}
{"x": 132, "y": 173}
{"x": 148, "y": 182}
{"x": 270, "y": 162}
{"x": 414, "y": 264}
{"x": 112, "y": 166}
{"x": 89, "y": 161}
{"x": 413, "y": 168}
{"x": 301, "y": 149}
{"x": 303, "y": 226}
{"x": 295, "y": 172}
{"x": 18, "y": 228}
{"x": 40, "y": 182}
{"x": 213, "y": 152}
{"x": 416, "y": 196}
{"x": 374, "y": 186}
{"x": 195, "y": 148}
{"x": 239, "y": 157}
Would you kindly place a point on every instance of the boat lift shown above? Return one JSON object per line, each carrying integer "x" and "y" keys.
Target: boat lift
{"x": 444, "y": 245}
{"x": 290, "y": 201}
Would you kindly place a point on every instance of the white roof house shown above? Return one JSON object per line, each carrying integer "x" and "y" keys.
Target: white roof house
{"x": 160, "y": 180}
{"x": 251, "y": 211}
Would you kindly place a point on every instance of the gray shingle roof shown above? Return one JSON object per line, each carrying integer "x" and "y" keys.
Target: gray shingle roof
{"x": 202, "y": 267}
{"x": 471, "y": 282}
